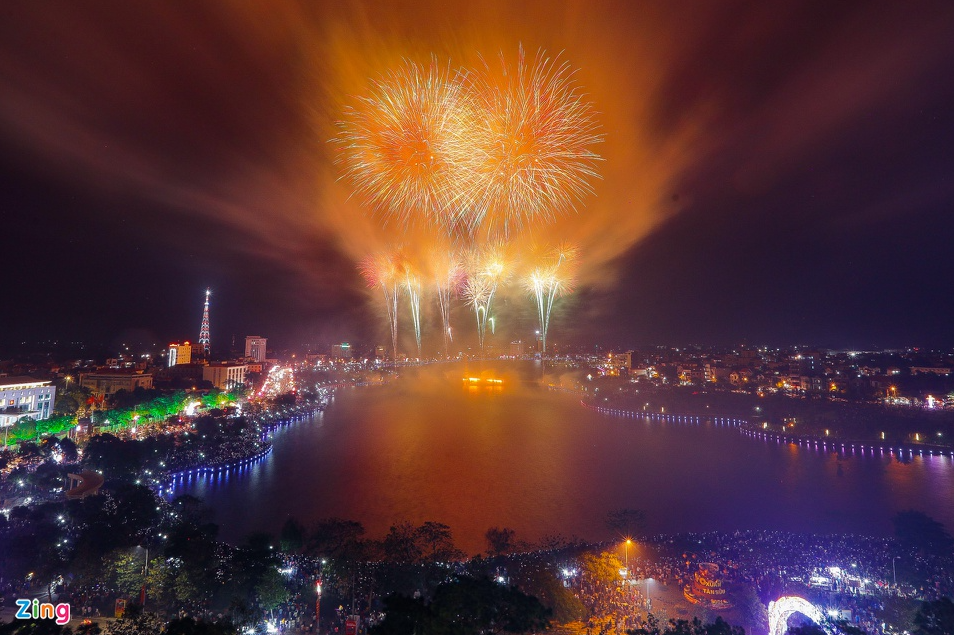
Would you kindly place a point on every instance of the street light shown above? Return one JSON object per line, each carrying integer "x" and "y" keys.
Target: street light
{"x": 626, "y": 548}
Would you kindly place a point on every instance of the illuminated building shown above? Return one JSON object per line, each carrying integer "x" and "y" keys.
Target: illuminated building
{"x": 25, "y": 397}
{"x": 930, "y": 370}
{"x": 179, "y": 354}
{"x": 517, "y": 348}
{"x": 109, "y": 383}
{"x": 255, "y": 348}
{"x": 225, "y": 376}
{"x": 706, "y": 588}
{"x": 341, "y": 351}
{"x": 619, "y": 363}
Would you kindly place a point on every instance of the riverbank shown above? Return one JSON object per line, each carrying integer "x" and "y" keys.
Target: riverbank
{"x": 753, "y": 430}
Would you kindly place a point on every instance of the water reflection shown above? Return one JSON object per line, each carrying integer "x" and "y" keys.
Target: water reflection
{"x": 431, "y": 447}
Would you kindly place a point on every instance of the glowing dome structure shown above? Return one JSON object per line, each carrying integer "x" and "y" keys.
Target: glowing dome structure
{"x": 783, "y": 608}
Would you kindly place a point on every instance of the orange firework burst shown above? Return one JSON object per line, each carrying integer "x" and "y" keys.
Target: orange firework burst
{"x": 477, "y": 154}
{"x": 532, "y": 155}
{"x": 400, "y": 146}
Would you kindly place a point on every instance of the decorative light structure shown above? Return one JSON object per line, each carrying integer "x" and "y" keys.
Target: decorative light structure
{"x": 204, "y": 339}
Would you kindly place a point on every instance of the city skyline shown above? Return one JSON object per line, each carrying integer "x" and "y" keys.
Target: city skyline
{"x": 770, "y": 178}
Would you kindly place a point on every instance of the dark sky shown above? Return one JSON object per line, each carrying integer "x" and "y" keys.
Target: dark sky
{"x": 775, "y": 173}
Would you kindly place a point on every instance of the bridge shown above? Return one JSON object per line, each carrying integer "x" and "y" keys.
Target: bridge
{"x": 783, "y": 608}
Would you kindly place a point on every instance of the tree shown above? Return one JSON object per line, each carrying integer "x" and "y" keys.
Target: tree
{"x": 136, "y": 623}
{"x": 536, "y": 578}
{"x": 935, "y": 618}
{"x": 499, "y": 541}
{"x": 602, "y": 569}
{"x": 335, "y": 538}
{"x": 190, "y": 626}
{"x": 126, "y": 571}
{"x": 467, "y": 606}
{"x": 70, "y": 455}
{"x": 920, "y": 531}
{"x": 401, "y": 545}
{"x": 292, "y": 536}
{"x": 271, "y": 590}
{"x": 33, "y": 627}
{"x": 437, "y": 544}
{"x": 687, "y": 627}
{"x": 751, "y": 610}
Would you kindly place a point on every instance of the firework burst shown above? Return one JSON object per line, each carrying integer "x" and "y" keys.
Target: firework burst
{"x": 400, "y": 147}
{"x": 532, "y": 156}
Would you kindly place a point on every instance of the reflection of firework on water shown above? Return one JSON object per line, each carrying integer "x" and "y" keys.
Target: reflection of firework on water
{"x": 487, "y": 269}
{"x": 532, "y": 155}
{"x": 399, "y": 146}
{"x": 448, "y": 278}
{"x": 384, "y": 270}
{"x": 548, "y": 281}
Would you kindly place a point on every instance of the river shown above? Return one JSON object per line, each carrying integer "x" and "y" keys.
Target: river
{"x": 431, "y": 447}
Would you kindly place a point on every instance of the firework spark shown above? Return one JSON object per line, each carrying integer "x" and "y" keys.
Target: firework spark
{"x": 448, "y": 277}
{"x": 480, "y": 154}
{"x": 412, "y": 285}
{"x": 532, "y": 156}
{"x": 488, "y": 269}
{"x": 384, "y": 270}
{"x": 400, "y": 146}
{"x": 549, "y": 281}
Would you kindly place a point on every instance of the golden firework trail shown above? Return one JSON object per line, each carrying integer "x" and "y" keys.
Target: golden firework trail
{"x": 412, "y": 285}
{"x": 384, "y": 270}
{"x": 488, "y": 269}
{"x": 448, "y": 277}
{"x": 548, "y": 281}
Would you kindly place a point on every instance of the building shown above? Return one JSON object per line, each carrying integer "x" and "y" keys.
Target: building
{"x": 255, "y": 348}
{"x": 517, "y": 348}
{"x": 179, "y": 354}
{"x": 225, "y": 376}
{"x": 25, "y": 397}
{"x": 930, "y": 370}
{"x": 618, "y": 364}
{"x": 341, "y": 351}
{"x": 106, "y": 383}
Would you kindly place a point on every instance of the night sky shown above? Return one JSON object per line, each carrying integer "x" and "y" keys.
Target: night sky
{"x": 775, "y": 173}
